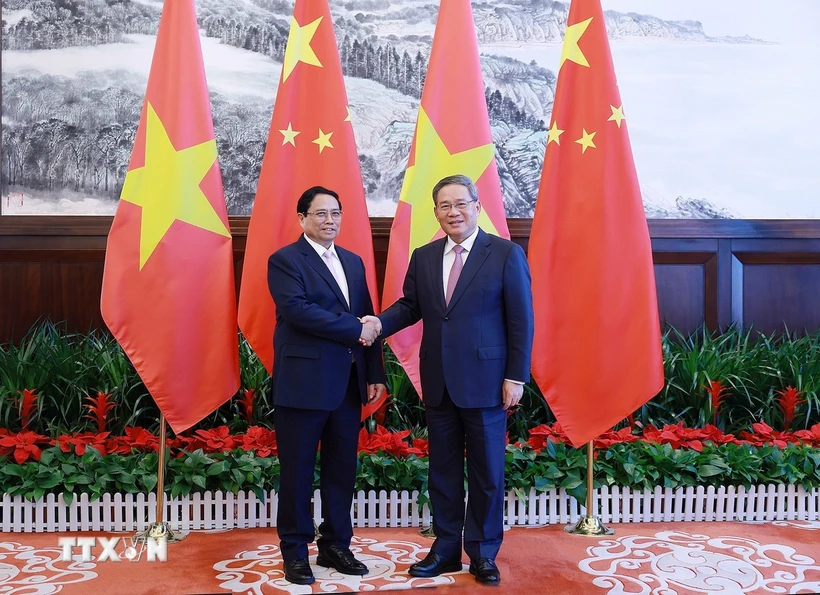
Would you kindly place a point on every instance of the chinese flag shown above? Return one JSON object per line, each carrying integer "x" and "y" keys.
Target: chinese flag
{"x": 310, "y": 143}
{"x": 452, "y": 137}
{"x": 597, "y": 351}
{"x": 168, "y": 287}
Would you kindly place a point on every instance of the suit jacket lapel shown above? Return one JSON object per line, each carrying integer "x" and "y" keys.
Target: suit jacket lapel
{"x": 475, "y": 258}
{"x": 315, "y": 261}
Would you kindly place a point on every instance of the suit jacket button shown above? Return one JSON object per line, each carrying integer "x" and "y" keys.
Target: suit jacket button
{"x": 350, "y": 350}
{"x": 446, "y": 318}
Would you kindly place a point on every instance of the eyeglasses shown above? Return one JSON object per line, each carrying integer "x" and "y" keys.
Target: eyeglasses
{"x": 461, "y": 205}
{"x": 321, "y": 215}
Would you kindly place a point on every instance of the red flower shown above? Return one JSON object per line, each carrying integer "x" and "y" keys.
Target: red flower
{"x": 422, "y": 449}
{"x": 79, "y": 442}
{"x": 260, "y": 440}
{"x": 135, "y": 439}
{"x": 24, "y": 446}
{"x": 788, "y": 401}
{"x": 246, "y": 404}
{"x": 214, "y": 441}
{"x": 716, "y": 436}
{"x": 764, "y": 434}
{"x": 539, "y": 435}
{"x": 27, "y": 406}
{"x": 383, "y": 440}
{"x": 716, "y": 392}
{"x": 810, "y": 436}
{"x": 611, "y": 437}
{"x": 99, "y": 408}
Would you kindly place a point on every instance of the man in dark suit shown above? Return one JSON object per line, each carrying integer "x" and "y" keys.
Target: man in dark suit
{"x": 326, "y": 365}
{"x": 472, "y": 292}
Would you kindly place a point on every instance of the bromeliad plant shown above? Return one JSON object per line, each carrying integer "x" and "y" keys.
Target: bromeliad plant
{"x": 730, "y": 380}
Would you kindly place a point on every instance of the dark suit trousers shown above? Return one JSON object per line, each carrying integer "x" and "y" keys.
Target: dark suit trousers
{"x": 483, "y": 431}
{"x": 298, "y": 432}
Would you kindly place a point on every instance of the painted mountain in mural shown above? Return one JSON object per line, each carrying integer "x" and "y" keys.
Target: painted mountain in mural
{"x": 74, "y": 75}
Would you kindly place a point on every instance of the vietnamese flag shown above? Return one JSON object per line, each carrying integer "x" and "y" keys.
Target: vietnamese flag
{"x": 452, "y": 137}
{"x": 310, "y": 143}
{"x": 597, "y": 350}
{"x": 168, "y": 286}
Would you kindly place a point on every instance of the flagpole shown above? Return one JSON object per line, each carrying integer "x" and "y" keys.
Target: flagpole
{"x": 160, "y": 528}
{"x": 589, "y": 525}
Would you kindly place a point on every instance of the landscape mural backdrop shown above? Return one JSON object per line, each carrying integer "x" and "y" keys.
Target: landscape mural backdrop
{"x": 720, "y": 96}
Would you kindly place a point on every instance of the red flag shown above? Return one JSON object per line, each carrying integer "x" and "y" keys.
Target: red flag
{"x": 597, "y": 351}
{"x": 310, "y": 143}
{"x": 452, "y": 137}
{"x": 168, "y": 287}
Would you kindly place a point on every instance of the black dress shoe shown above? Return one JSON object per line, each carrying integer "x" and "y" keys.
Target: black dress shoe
{"x": 433, "y": 565}
{"x": 341, "y": 559}
{"x": 485, "y": 571}
{"x": 298, "y": 572}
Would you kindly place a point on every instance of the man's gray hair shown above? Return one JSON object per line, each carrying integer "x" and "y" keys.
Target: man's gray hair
{"x": 459, "y": 179}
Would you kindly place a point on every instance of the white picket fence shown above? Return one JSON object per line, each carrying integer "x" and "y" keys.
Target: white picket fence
{"x": 132, "y": 512}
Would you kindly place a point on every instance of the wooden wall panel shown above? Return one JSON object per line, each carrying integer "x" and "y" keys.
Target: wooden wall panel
{"x": 776, "y": 283}
{"x": 61, "y": 285}
{"x": 760, "y": 273}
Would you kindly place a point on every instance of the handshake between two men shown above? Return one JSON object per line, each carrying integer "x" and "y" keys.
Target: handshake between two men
{"x": 371, "y": 329}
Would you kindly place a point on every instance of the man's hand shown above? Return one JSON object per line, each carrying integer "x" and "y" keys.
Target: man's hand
{"x": 511, "y": 393}
{"x": 375, "y": 392}
{"x": 369, "y": 333}
{"x": 375, "y": 320}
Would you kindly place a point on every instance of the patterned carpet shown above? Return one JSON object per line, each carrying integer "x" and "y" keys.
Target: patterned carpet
{"x": 648, "y": 558}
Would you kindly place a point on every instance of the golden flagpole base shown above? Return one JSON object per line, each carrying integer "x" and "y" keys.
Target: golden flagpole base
{"x": 590, "y": 526}
{"x": 427, "y": 532}
{"x": 157, "y": 531}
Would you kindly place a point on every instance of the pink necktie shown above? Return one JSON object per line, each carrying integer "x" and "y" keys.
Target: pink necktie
{"x": 328, "y": 256}
{"x": 455, "y": 273}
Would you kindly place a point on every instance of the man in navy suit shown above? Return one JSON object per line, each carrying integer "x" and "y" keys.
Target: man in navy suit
{"x": 472, "y": 292}
{"x": 326, "y": 365}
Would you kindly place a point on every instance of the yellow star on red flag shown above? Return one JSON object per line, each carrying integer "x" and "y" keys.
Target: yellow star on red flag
{"x": 167, "y": 187}
{"x": 432, "y": 162}
{"x": 298, "y": 48}
{"x": 323, "y": 140}
{"x": 570, "y": 50}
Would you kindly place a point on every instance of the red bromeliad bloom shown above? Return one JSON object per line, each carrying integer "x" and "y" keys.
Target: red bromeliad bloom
{"x": 260, "y": 440}
{"x": 246, "y": 404}
{"x": 24, "y": 446}
{"x": 788, "y": 401}
{"x": 716, "y": 392}
{"x": 99, "y": 407}
{"x": 27, "y": 406}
